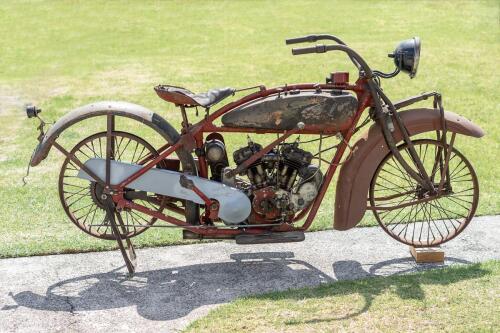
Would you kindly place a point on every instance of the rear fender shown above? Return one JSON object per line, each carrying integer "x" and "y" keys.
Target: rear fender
{"x": 122, "y": 109}
{"x": 356, "y": 174}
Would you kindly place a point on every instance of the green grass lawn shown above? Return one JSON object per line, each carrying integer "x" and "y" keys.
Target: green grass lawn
{"x": 63, "y": 54}
{"x": 455, "y": 299}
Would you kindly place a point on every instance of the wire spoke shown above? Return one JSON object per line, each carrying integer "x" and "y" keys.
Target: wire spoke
{"x": 398, "y": 167}
{"x": 429, "y": 222}
{"x": 83, "y": 202}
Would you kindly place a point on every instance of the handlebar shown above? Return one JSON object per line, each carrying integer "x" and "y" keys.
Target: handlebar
{"x": 304, "y": 39}
{"x": 312, "y": 39}
{"x": 313, "y": 49}
{"x": 356, "y": 59}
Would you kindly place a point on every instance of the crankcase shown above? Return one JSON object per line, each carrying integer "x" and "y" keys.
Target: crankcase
{"x": 234, "y": 205}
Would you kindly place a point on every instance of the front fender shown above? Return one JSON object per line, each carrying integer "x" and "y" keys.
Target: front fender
{"x": 356, "y": 174}
{"x": 123, "y": 109}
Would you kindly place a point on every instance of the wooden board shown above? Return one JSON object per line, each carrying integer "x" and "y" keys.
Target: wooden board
{"x": 427, "y": 254}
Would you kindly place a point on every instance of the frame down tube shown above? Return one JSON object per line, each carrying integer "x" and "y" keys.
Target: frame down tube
{"x": 365, "y": 101}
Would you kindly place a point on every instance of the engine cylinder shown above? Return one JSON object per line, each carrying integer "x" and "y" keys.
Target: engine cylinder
{"x": 215, "y": 153}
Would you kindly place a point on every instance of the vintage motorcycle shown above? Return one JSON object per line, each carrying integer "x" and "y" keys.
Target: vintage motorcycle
{"x": 423, "y": 192}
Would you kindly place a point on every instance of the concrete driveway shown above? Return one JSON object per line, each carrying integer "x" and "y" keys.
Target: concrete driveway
{"x": 174, "y": 285}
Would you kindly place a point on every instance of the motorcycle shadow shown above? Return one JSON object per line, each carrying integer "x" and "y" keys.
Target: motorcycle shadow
{"x": 172, "y": 293}
{"x": 409, "y": 287}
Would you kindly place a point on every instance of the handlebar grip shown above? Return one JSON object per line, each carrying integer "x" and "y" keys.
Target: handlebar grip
{"x": 306, "y": 50}
{"x": 296, "y": 40}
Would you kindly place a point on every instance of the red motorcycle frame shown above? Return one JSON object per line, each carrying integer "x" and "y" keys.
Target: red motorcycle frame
{"x": 358, "y": 168}
{"x": 194, "y": 138}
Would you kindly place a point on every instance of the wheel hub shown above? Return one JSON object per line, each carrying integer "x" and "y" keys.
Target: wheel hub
{"x": 425, "y": 193}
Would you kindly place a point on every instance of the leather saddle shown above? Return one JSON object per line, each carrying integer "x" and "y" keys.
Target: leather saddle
{"x": 184, "y": 97}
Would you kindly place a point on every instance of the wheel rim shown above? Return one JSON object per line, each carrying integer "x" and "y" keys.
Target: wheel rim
{"x": 425, "y": 223}
{"x": 82, "y": 200}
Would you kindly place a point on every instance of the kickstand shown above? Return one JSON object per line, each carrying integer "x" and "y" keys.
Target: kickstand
{"x": 130, "y": 257}
{"x": 130, "y": 246}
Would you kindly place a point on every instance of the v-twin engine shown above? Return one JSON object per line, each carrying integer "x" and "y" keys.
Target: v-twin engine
{"x": 280, "y": 184}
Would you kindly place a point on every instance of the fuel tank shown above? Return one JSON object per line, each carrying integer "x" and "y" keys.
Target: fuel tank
{"x": 326, "y": 110}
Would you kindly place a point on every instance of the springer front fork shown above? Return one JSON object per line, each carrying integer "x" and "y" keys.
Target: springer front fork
{"x": 387, "y": 115}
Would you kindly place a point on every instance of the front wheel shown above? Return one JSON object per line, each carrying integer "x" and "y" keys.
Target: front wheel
{"x": 408, "y": 213}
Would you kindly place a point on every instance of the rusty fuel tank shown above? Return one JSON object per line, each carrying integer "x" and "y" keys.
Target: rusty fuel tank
{"x": 328, "y": 111}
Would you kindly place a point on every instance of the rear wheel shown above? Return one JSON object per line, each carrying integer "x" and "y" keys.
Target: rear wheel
{"x": 403, "y": 209}
{"x": 82, "y": 200}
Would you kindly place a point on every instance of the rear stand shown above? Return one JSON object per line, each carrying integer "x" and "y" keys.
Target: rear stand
{"x": 427, "y": 254}
{"x": 128, "y": 253}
